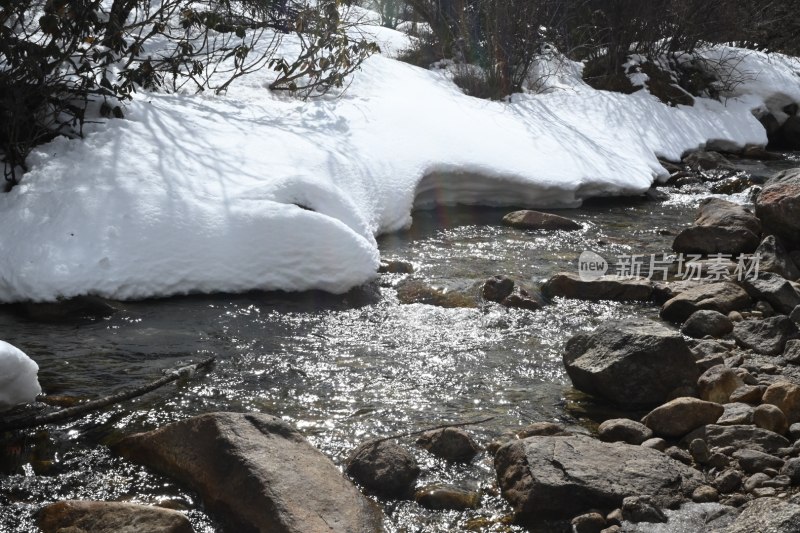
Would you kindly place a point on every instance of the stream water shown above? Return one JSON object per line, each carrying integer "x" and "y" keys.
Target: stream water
{"x": 340, "y": 368}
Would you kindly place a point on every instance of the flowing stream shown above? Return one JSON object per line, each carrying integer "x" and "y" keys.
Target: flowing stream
{"x": 342, "y": 369}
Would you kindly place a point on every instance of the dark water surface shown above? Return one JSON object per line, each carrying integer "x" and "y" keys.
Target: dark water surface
{"x": 341, "y": 369}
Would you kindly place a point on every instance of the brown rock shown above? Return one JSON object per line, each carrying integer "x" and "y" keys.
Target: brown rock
{"x": 537, "y": 220}
{"x": 110, "y": 517}
{"x": 718, "y": 383}
{"x": 678, "y": 417}
{"x": 452, "y": 444}
{"x": 616, "y": 288}
{"x": 786, "y": 396}
{"x": 770, "y": 417}
{"x": 722, "y": 296}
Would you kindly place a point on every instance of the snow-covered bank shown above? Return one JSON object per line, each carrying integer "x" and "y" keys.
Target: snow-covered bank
{"x": 253, "y": 191}
{"x": 18, "y": 382}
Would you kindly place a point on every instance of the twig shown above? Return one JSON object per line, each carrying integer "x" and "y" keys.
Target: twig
{"x": 88, "y": 407}
{"x": 421, "y": 431}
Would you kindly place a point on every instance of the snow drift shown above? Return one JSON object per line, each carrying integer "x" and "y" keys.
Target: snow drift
{"x": 254, "y": 191}
{"x": 18, "y": 382}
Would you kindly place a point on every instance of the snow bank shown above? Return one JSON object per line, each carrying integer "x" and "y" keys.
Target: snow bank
{"x": 18, "y": 382}
{"x": 255, "y": 191}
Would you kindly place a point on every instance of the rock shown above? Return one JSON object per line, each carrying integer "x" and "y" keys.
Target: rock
{"x": 452, "y": 444}
{"x": 722, "y": 296}
{"x": 110, "y": 517}
{"x": 667, "y": 290}
{"x": 656, "y": 195}
{"x": 736, "y": 414}
{"x": 775, "y": 258}
{"x": 384, "y": 468}
{"x": 720, "y": 227}
{"x": 395, "y": 267}
{"x": 678, "y": 417}
{"x": 788, "y": 135}
{"x": 755, "y": 481}
{"x": 679, "y": 454}
{"x": 753, "y": 461}
{"x": 735, "y": 316}
{"x": 778, "y": 292}
{"x": 795, "y": 315}
{"x": 497, "y": 289}
{"x": 655, "y": 443}
{"x": 632, "y": 363}
{"x": 770, "y": 515}
{"x": 701, "y": 160}
{"x": 588, "y": 523}
{"x": 742, "y": 436}
{"x": 615, "y": 517}
{"x": 708, "y": 348}
{"x": 624, "y": 430}
{"x": 522, "y": 299}
{"x": 541, "y": 429}
{"x": 717, "y": 383}
{"x": 705, "y": 322}
{"x": 728, "y": 481}
{"x": 791, "y": 469}
{"x": 791, "y": 352}
{"x": 444, "y": 497}
{"x": 750, "y": 394}
{"x": 699, "y": 451}
{"x": 771, "y": 418}
{"x": 778, "y": 207}
{"x": 257, "y": 472}
{"x": 709, "y": 362}
{"x": 414, "y": 291}
{"x": 616, "y": 288}
{"x": 764, "y": 309}
{"x": 536, "y": 220}
{"x": 773, "y": 126}
{"x": 733, "y": 185}
{"x": 766, "y": 336}
{"x": 705, "y": 494}
{"x": 641, "y": 509}
{"x": 785, "y": 396}
{"x": 567, "y": 476}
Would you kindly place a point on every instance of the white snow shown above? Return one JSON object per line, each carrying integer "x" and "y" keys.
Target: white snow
{"x": 18, "y": 382}
{"x": 197, "y": 193}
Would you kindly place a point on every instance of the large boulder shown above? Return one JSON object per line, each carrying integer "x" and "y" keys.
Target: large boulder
{"x": 616, "y": 288}
{"x": 567, "y": 476}
{"x": 720, "y": 227}
{"x": 723, "y": 297}
{"x": 110, "y": 517}
{"x": 257, "y": 472}
{"x": 632, "y": 363}
{"x": 536, "y": 220}
{"x": 678, "y": 417}
{"x": 773, "y": 289}
{"x": 768, "y": 515}
{"x": 775, "y": 258}
{"x": 778, "y": 207}
{"x": 767, "y": 336}
{"x": 738, "y": 436}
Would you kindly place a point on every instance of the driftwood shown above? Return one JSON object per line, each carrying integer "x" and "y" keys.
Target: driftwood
{"x": 421, "y": 431}
{"x": 29, "y": 421}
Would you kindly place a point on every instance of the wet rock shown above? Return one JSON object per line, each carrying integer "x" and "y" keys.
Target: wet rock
{"x": 633, "y": 362}
{"x": 678, "y": 417}
{"x": 414, "y": 291}
{"x": 521, "y": 298}
{"x": 705, "y": 322}
{"x": 497, "y": 289}
{"x": 445, "y": 497}
{"x": 785, "y": 396}
{"x": 257, "y": 472}
{"x": 566, "y": 476}
{"x": 717, "y": 383}
{"x": 641, "y": 509}
{"x": 753, "y": 461}
{"x": 453, "y": 444}
{"x": 778, "y": 292}
{"x": 395, "y": 267}
{"x": 110, "y": 517}
{"x": 736, "y": 414}
{"x": 624, "y": 430}
{"x": 767, "y": 336}
{"x": 541, "y": 429}
{"x": 720, "y": 227}
{"x": 778, "y": 207}
{"x": 771, "y": 515}
{"x": 733, "y": 185}
{"x": 722, "y": 296}
{"x": 588, "y": 523}
{"x": 536, "y": 220}
{"x": 701, "y": 160}
{"x": 728, "y": 481}
{"x": 616, "y": 288}
{"x": 771, "y": 418}
{"x": 742, "y": 436}
{"x": 656, "y": 195}
{"x": 705, "y": 494}
{"x": 384, "y": 468}
{"x": 775, "y": 258}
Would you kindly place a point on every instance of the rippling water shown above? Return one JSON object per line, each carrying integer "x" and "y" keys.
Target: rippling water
{"x": 341, "y": 369}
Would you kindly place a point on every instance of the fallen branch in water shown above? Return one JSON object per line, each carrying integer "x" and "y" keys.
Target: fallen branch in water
{"x": 421, "y": 431}
{"x": 28, "y": 421}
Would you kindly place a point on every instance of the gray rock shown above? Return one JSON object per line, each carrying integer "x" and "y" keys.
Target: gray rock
{"x": 767, "y": 515}
{"x": 708, "y": 348}
{"x": 794, "y": 431}
{"x": 656, "y": 443}
{"x": 616, "y": 288}
{"x": 702, "y": 160}
{"x": 750, "y": 394}
{"x": 728, "y": 481}
{"x": 791, "y": 469}
{"x": 452, "y": 444}
{"x": 706, "y": 322}
{"x": 689, "y": 518}
{"x": 678, "y": 417}
{"x": 567, "y": 476}
{"x": 536, "y": 220}
{"x": 632, "y": 363}
{"x": 718, "y": 383}
{"x": 775, "y": 258}
{"x": 767, "y": 336}
{"x": 778, "y": 207}
{"x": 588, "y": 523}
{"x": 638, "y": 509}
{"x": 736, "y": 414}
{"x": 742, "y": 436}
{"x": 256, "y": 471}
{"x": 720, "y": 227}
{"x": 705, "y": 494}
{"x": 722, "y": 296}
{"x": 679, "y": 454}
{"x": 110, "y": 517}
{"x": 755, "y": 481}
{"x": 771, "y": 418}
{"x": 795, "y": 316}
{"x": 624, "y": 430}
{"x": 699, "y": 451}
{"x": 497, "y": 289}
{"x": 753, "y": 461}
{"x": 778, "y": 292}
{"x": 384, "y": 468}
{"x": 791, "y": 352}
